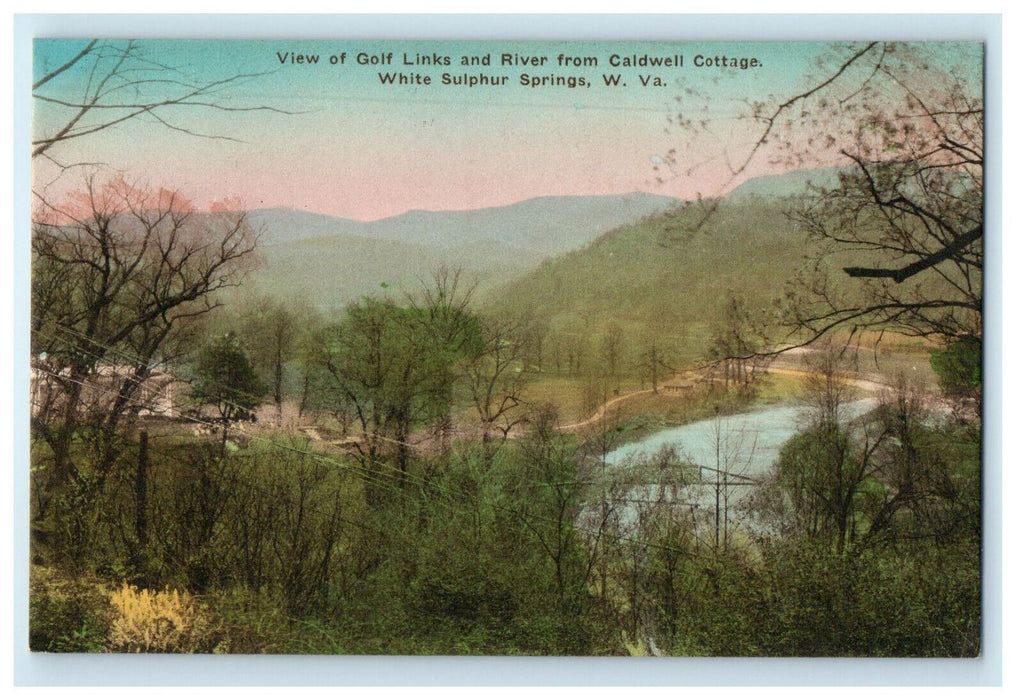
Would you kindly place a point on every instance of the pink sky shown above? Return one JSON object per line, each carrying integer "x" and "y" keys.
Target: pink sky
{"x": 354, "y": 147}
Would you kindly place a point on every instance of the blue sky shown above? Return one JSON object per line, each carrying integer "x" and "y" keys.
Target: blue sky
{"x": 345, "y": 143}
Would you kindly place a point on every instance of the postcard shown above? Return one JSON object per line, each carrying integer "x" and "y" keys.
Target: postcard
{"x": 506, "y": 347}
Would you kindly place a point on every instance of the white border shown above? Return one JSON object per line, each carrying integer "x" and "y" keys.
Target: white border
{"x": 110, "y": 670}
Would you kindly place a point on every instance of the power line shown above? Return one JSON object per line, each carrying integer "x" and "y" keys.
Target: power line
{"x": 450, "y": 502}
{"x": 376, "y": 478}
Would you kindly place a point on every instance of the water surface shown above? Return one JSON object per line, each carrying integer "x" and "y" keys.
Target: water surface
{"x": 745, "y": 443}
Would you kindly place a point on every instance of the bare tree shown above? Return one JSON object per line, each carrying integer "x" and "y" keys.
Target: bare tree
{"x": 108, "y": 83}
{"x": 901, "y": 233}
{"x": 493, "y": 374}
{"x": 120, "y": 275}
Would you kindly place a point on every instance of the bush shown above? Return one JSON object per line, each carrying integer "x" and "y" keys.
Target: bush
{"x": 959, "y": 366}
{"x": 65, "y": 615}
{"x": 161, "y": 621}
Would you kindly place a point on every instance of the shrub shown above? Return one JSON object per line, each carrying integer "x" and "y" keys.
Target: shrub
{"x": 958, "y": 366}
{"x": 161, "y": 621}
{"x": 66, "y": 615}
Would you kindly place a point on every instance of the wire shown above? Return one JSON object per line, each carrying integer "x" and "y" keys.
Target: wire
{"x": 376, "y": 478}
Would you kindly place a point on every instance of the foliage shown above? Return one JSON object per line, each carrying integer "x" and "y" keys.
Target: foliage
{"x": 225, "y": 378}
{"x": 65, "y": 615}
{"x": 159, "y": 621}
{"x": 274, "y": 332}
{"x": 630, "y": 278}
{"x": 533, "y": 549}
{"x": 958, "y": 366}
{"x": 402, "y": 538}
{"x": 386, "y": 369}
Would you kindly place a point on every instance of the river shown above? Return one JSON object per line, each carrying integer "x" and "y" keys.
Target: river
{"x": 746, "y": 443}
{"x": 738, "y": 450}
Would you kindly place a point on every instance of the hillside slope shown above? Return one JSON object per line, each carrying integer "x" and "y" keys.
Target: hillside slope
{"x": 335, "y": 261}
{"x": 661, "y": 276}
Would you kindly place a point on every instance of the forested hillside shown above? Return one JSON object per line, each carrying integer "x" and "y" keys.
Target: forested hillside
{"x": 673, "y": 272}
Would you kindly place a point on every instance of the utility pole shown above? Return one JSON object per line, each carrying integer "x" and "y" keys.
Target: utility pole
{"x": 141, "y": 487}
{"x": 717, "y": 479}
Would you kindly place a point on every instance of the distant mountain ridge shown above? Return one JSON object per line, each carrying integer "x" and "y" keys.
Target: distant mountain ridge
{"x": 335, "y": 260}
{"x": 790, "y": 184}
{"x": 544, "y": 225}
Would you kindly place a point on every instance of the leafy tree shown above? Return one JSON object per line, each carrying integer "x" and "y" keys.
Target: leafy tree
{"x": 442, "y": 314}
{"x": 224, "y": 377}
{"x": 546, "y": 503}
{"x": 958, "y": 366}
{"x": 391, "y": 367}
{"x": 274, "y": 332}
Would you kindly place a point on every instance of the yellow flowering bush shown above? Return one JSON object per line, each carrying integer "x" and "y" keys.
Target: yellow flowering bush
{"x": 159, "y": 621}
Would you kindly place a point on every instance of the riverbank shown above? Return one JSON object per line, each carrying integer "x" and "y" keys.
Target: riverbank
{"x": 642, "y": 415}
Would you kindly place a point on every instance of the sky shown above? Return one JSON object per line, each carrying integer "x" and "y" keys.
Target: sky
{"x": 339, "y": 140}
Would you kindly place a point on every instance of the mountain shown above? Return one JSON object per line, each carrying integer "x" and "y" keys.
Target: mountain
{"x": 281, "y": 225}
{"x": 335, "y": 260}
{"x": 333, "y": 271}
{"x": 789, "y": 184}
{"x": 579, "y": 259}
{"x": 544, "y": 225}
{"x": 667, "y": 275}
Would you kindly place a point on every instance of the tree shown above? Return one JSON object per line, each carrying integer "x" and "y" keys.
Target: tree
{"x": 441, "y": 314}
{"x": 273, "y": 331}
{"x": 738, "y": 341}
{"x": 225, "y": 378}
{"x": 612, "y": 348}
{"x": 536, "y": 336}
{"x": 121, "y": 276}
{"x": 907, "y": 217}
{"x": 825, "y": 469}
{"x": 371, "y": 370}
{"x": 655, "y": 359}
{"x": 493, "y": 375}
{"x": 929, "y": 477}
{"x": 958, "y": 366}
{"x": 900, "y": 235}
{"x": 392, "y": 368}
{"x": 546, "y": 492}
{"x": 107, "y": 83}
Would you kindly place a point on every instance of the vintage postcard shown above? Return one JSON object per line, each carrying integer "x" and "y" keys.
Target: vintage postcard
{"x": 499, "y": 347}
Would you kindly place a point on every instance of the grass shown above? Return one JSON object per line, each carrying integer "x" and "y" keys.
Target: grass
{"x": 576, "y": 398}
{"x": 779, "y": 388}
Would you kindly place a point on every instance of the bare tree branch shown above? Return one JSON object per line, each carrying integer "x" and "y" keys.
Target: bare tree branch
{"x": 123, "y": 69}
